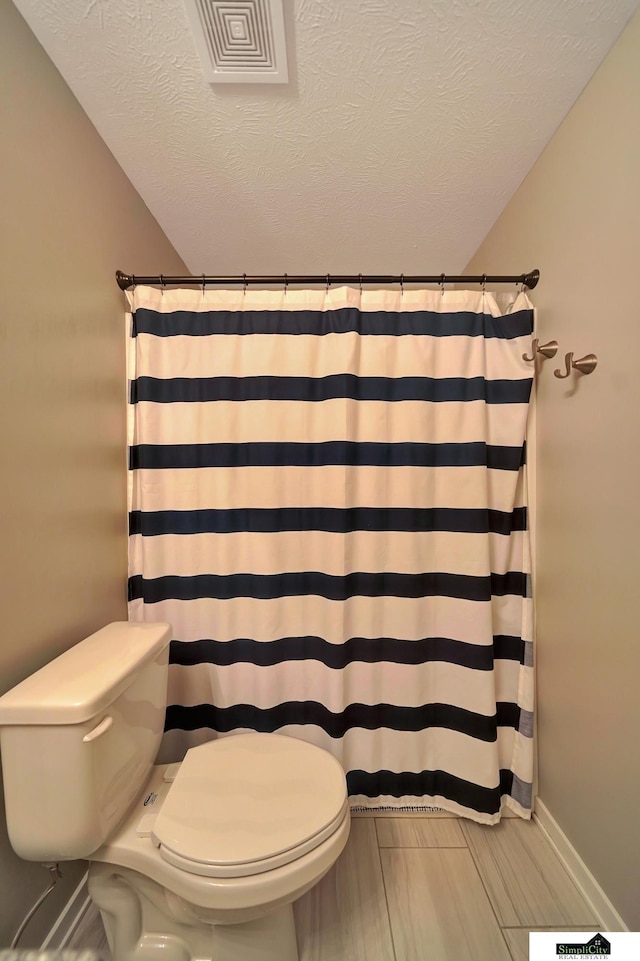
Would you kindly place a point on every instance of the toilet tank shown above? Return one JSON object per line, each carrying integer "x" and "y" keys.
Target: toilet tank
{"x": 79, "y": 737}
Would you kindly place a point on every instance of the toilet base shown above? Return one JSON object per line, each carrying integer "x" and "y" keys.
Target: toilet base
{"x": 271, "y": 938}
{"x": 144, "y": 922}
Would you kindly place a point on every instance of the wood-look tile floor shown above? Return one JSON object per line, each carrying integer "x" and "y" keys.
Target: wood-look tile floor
{"x": 428, "y": 887}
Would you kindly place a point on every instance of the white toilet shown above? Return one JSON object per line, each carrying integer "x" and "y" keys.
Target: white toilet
{"x": 196, "y": 860}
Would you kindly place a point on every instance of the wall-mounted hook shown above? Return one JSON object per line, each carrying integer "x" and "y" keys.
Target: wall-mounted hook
{"x": 585, "y": 365}
{"x": 547, "y": 350}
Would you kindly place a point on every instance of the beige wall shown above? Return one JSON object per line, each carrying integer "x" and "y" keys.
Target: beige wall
{"x": 577, "y": 218}
{"x": 70, "y": 218}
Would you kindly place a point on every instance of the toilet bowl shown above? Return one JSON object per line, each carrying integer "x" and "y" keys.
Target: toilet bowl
{"x": 202, "y": 859}
{"x": 231, "y": 838}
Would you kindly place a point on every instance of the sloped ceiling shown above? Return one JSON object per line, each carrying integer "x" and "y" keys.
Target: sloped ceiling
{"x": 404, "y": 130}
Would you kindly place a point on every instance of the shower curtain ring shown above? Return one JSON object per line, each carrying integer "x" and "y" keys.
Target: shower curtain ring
{"x": 162, "y": 282}
{"x": 286, "y": 284}
{"x": 203, "y": 285}
{"x": 442, "y": 279}
{"x": 402, "y": 285}
{"x": 244, "y": 284}
{"x": 328, "y": 283}
{"x": 360, "y": 282}
{"x": 484, "y": 283}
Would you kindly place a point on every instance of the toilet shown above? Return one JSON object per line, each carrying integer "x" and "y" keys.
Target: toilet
{"x": 201, "y": 859}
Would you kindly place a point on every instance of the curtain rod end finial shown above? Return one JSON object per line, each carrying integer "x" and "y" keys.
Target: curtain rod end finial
{"x": 531, "y": 279}
{"x": 123, "y": 280}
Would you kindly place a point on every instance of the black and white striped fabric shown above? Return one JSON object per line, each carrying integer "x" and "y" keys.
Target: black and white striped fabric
{"x": 327, "y": 503}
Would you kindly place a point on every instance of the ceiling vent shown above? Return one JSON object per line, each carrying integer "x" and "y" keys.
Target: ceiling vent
{"x": 240, "y": 41}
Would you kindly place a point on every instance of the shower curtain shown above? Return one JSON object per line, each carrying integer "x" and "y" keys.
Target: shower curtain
{"x": 327, "y": 502}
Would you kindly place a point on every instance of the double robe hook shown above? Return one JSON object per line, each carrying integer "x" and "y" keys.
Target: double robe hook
{"x": 585, "y": 365}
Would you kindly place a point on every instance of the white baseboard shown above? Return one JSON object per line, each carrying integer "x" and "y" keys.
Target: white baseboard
{"x": 580, "y": 873}
{"x": 69, "y": 918}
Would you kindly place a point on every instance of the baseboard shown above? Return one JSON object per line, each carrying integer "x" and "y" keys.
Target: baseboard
{"x": 580, "y": 873}
{"x": 68, "y": 919}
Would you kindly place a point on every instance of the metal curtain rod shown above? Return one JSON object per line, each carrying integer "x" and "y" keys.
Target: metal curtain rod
{"x": 130, "y": 280}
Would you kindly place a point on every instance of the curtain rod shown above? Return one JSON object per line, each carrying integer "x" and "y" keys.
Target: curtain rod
{"x": 130, "y": 280}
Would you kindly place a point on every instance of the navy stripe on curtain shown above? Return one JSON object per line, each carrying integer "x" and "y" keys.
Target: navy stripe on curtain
{"x": 335, "y": 588}
{"x": 368, "y": 716}
{"x": 388, "y": 323}
{"x": 348, "y": 453}
{"x": 327, "y": 502}
{"x": 373, "y": 649}
{"x": 339, "y": 521}
{"x": 196, "y": 390}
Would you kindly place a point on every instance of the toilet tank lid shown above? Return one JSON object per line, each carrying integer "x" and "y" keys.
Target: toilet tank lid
{"x": 83, "y": 681}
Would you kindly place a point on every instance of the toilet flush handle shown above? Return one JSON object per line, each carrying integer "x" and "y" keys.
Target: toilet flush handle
{"x": 101, "y": 728}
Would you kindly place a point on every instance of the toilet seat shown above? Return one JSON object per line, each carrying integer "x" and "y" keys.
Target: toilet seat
{"x": 248, "y": 803}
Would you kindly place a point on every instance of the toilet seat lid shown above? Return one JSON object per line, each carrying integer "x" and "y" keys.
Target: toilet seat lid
{"x": 247, "y": 803}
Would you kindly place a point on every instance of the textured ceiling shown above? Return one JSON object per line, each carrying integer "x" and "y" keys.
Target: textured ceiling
{"x": 404, "y": 130}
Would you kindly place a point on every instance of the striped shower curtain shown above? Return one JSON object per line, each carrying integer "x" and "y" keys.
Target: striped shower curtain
{"x": 327, "y": 503}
